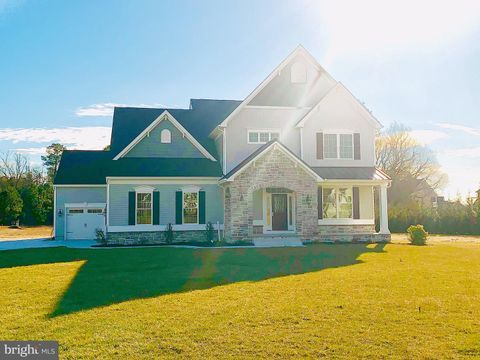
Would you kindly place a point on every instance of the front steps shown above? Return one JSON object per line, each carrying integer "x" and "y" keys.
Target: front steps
{"x": 277, "y": 241}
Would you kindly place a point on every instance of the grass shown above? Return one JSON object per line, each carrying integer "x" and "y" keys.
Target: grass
{"x": 25, "y": 232}
{"x": 333, "y": 301}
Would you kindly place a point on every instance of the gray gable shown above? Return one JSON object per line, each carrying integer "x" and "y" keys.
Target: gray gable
{"x": 151, "y": 145}
{"x": 202, "y": 117}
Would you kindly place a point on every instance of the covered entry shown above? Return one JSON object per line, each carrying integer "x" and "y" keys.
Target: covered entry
{"x": 274, "y": 210}
{"x": 82, "y": 219}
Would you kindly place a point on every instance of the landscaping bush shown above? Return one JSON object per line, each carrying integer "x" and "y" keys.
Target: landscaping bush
{"x": 169, "y": 234}
{"x": 209, "y": 232}
{"x": 100, "y": 236}
{"x": 417, "y": 234}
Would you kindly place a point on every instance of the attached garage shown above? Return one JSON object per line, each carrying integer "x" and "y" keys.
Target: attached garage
{"x": 81, "y": 220}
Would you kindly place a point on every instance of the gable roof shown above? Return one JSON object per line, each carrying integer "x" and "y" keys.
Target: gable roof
{"x": 298, "y": 50}
{"x": 199, "y": 120}
{"x": 261, "y": 151}
{"x": 340, "y": 88}
{"x": 80, "y": 167}
{"x": 165, "y": 116}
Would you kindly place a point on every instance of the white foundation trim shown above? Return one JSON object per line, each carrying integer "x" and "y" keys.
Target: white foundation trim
{"x": 346, "y": 222}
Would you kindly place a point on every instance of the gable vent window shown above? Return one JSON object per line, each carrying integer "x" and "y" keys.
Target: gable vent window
{"x": 298, "y": 73}
{"x": 262, "y": 137}
{"x": 338, "y": 146}
{"x": 166, "y": 136}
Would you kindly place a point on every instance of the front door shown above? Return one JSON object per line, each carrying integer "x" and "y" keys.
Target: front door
{"x": 279, "y": 212}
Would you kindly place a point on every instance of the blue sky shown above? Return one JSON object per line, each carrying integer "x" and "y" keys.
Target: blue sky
{"x": 64, "y": 64}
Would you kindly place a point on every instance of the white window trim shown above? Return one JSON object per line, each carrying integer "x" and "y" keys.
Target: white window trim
{"x": 337, "y": 133}
{"x": 269, "y": 131}
{"x": 143, "y": 190}
{"x": 189, "y": 190}
{"x": 166, "y": 136}
{"x": 337, "y": 202}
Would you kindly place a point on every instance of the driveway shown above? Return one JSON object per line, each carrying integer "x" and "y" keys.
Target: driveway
{"x": 44, "y": 243}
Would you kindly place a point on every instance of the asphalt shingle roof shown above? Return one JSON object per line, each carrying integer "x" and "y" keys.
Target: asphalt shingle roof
{"x": 92, "y": 167}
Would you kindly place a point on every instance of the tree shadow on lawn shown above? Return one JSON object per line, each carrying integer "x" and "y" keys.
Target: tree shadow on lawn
{"x": 116, "y": 275}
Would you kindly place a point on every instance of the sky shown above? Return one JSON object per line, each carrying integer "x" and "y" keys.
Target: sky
{"x": 64, "y": 65}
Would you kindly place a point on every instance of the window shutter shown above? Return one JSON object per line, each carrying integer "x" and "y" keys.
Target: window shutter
{"x": 320, "y": 146}
{"x": 201, "y": 207}
{"x": 356, "y": 202}
{"x": 156, "y": 208}
{"x": 356, "y": 146}
{"x": 178, "y": 207}
{"x": 131, "y": 208}
{"x": 320, "y": 202}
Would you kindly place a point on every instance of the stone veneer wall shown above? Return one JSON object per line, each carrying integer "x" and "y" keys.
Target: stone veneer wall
{"x": 273, "y": 169}
{"x": 155, "y": 237}
{"x": 349, "y": 233}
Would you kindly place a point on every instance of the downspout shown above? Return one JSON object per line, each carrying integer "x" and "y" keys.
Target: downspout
{"x": 54, "y": 208}
{"x": 301, "y": 142}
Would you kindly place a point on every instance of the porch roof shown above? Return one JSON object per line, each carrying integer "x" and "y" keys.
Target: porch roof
{"x": 350, "y": 173}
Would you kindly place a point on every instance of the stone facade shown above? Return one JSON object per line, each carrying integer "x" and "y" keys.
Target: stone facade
{"x": 273, "y": 169}
{"x": 349, "y": 233}
{"x": 155, "y": 237}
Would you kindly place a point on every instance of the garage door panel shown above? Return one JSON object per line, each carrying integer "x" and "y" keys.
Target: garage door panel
{"x": 81, "y": 223}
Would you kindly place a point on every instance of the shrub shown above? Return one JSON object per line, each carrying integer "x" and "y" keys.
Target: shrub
{"x": 169, "y": 234}
{"x": 417, "y": 234}
{"x": 100, "y": 235}
{"x": 209, "y": 232}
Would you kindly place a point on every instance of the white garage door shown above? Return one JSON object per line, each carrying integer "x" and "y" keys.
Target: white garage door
{"x": 82, "y": 222}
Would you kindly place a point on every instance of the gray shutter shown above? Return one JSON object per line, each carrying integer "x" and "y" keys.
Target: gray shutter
{"x": 356, "y": 146}
{"x": 320, "y": 146}
{"x": 201, "y": 207}
{"x": 356, "y": 202}
{"x": 320, "y": 202}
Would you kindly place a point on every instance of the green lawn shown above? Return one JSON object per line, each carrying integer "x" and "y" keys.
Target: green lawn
{"x": 333, "y": 301}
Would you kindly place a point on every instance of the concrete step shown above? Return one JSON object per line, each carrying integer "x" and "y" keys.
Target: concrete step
{"x": 279, "y": 241}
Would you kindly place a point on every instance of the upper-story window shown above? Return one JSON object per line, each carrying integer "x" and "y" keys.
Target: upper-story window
{"x": 166, "y": 136}
{"x": 262, "y": 136}
{"x": 338, "y": 146}
{"x": 298, "y": 73}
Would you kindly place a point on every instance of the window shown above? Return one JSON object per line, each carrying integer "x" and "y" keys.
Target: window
{"x": 144, "y": 208}
{"x": 338, "y": 146}
{"x": 262, "y": 137}
{"x": 95, "y": 211}
{"x": 330, "y": 146}
{"x": 166, "y": 136}
{"x": 190, "y": 207}
{"x": 75, "y": 211}
{"x": 337, "y": 203}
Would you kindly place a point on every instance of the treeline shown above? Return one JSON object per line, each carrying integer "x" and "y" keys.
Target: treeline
{"x": 416, "y": 178}
{"x": 452, "y": 218}
{"x": 26, "y": 193}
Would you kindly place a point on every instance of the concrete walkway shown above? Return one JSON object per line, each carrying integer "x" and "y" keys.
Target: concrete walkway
{"x": 45, "y": 243}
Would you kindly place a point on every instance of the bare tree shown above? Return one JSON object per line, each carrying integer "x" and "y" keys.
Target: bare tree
{"x": 14, "y": 166}
{"x": 402, "y": 157}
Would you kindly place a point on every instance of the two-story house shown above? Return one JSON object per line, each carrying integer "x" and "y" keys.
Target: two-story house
{"x": 296, "y": 157}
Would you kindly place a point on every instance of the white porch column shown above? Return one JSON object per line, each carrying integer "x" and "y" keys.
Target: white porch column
{"x": 383, "y": 210}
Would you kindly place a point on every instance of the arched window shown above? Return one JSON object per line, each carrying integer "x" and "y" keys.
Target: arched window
{"x": 298, "y": 73}
{"x": 166, "y": 136}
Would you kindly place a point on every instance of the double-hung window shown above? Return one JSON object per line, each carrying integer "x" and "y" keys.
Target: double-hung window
{"x": 337, "y": 202}
{"x": 190, "y": 207}
{"x": 338, "y": 146}
{"x": 262, "y": 136}
{"x": 144, "y": 208}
